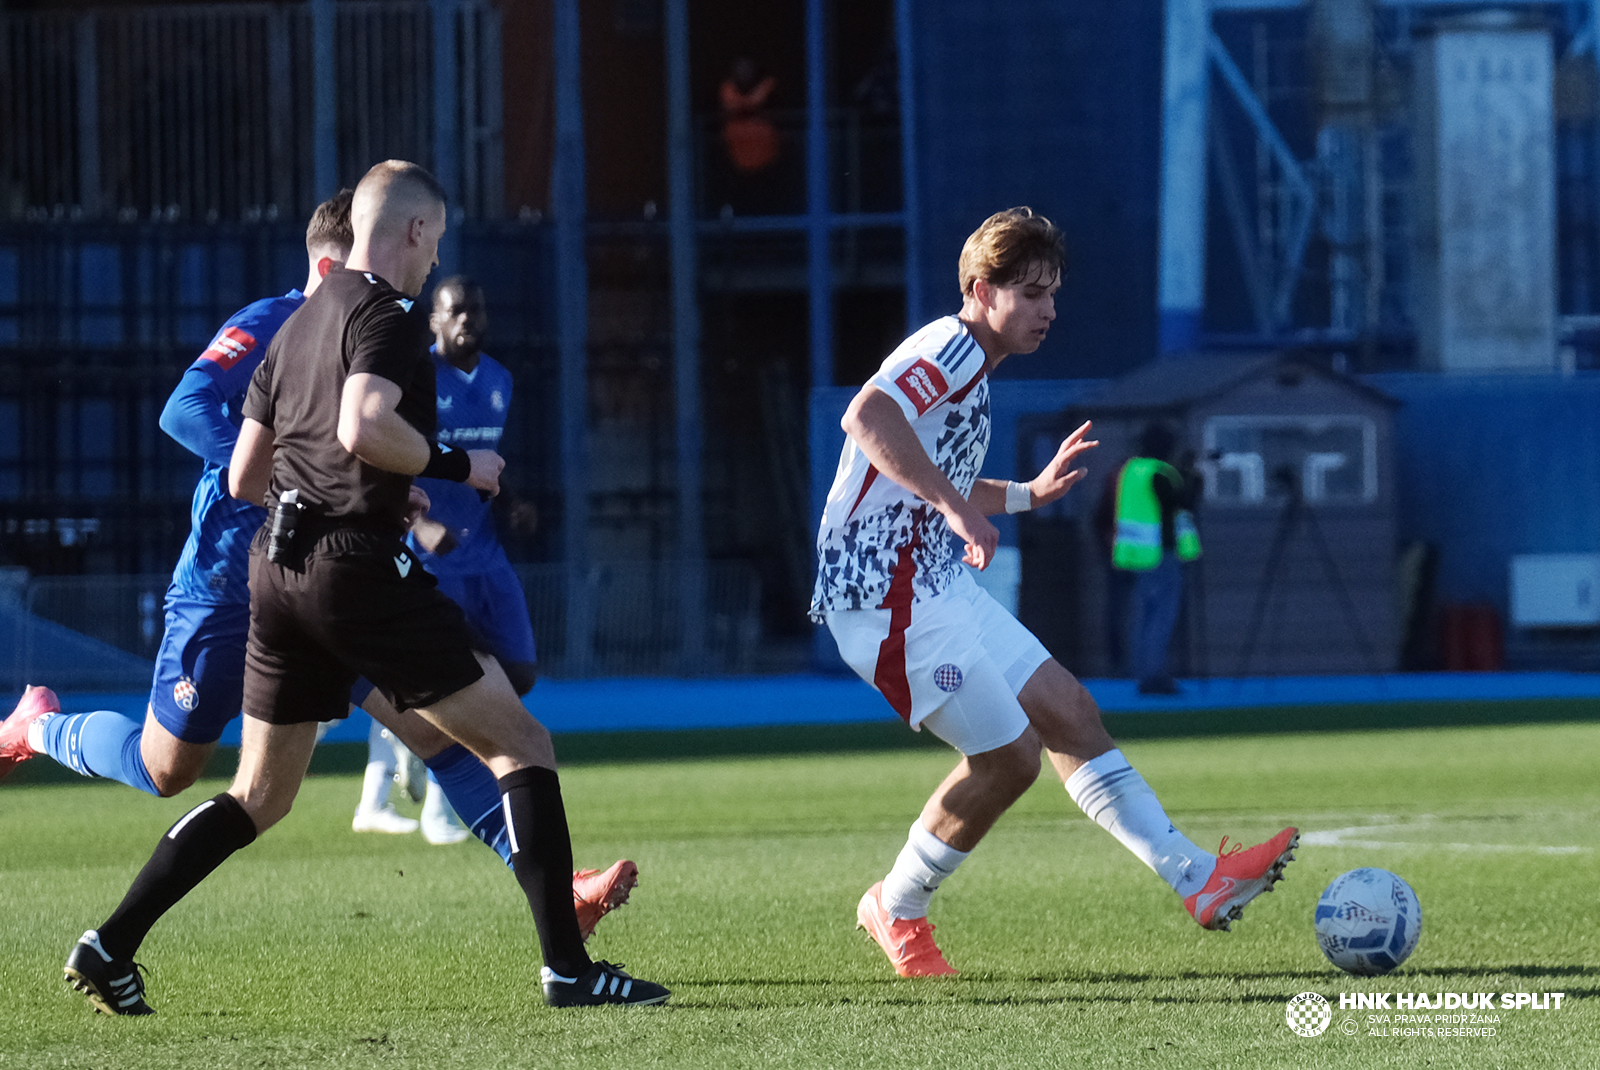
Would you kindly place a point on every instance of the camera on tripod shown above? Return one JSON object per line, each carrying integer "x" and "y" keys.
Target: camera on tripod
{"x": 1297, "y": 512}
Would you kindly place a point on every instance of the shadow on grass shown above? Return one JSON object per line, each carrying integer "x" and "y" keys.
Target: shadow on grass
{"x": 977, "y": 989}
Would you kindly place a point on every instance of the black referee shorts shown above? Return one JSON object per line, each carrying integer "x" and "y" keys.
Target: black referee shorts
{"x": 352, "y": 603}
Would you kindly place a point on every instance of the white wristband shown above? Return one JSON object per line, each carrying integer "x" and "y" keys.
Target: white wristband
{"x": 1019, "y": 499}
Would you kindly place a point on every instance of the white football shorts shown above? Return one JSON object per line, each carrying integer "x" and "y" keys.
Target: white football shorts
{"x": 953, "y": 662}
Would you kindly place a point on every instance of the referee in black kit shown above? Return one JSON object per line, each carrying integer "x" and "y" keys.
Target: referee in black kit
{"x": 336, "y": 424}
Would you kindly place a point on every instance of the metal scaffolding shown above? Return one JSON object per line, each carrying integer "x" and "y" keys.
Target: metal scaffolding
{"x": 1315, "y": 184}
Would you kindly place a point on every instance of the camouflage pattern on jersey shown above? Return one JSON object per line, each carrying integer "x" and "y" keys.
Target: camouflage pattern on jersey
{"x": 937, "y": 377}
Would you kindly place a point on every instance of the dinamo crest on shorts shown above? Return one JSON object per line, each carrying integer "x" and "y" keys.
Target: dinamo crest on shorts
{"x": 947, "y": 677}
{"x": 185, "y": 695}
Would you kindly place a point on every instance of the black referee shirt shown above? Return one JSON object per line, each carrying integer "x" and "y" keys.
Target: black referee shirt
{"x": 354, "y": 322}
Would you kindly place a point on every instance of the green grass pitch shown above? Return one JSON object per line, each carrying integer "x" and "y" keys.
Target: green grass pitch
{"x": 317, "y": 947}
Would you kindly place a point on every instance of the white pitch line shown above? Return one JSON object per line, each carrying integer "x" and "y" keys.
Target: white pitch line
{"x": 1346, "y": 837}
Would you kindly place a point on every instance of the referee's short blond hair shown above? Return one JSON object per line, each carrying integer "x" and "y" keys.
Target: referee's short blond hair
{"x": 1009, "y": 246}
{"x": 392, "y": 193}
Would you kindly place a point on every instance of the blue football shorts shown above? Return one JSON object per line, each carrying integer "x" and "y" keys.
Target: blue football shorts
{"x": 496, "y": 609}
{"x": 198, "y": 686}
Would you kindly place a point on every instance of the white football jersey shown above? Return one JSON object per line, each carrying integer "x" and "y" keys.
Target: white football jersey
{"x": 877, "y": 535}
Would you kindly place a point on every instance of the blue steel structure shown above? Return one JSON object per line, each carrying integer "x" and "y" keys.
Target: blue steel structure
{"x": 1310, "y": 288}
{"x": 1184, "y": 88}
{"x": 687, "y": 385}
{"x": 569, "y": 206}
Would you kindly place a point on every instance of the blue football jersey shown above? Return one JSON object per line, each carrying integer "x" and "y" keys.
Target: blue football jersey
{"x": 215, "y": 565}
{"x": 472, "y": 416}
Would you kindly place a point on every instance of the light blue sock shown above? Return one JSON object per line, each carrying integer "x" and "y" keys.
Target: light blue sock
{"x": 102, "y": 744}
{"x": 475, "y": 794}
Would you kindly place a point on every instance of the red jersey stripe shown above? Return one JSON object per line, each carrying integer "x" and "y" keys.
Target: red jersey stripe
{"x": 866, "y": 484}
{"x": 890, "y": 675}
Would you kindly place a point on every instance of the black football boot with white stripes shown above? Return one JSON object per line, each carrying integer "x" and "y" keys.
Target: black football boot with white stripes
{"x": 601, "y": 984}
{"x": 114, "y": 987}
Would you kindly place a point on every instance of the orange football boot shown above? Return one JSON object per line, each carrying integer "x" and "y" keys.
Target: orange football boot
{"x": 907, "y": 941}
{"x": 1240, "y": 876}
{"x": 596, "y": 893}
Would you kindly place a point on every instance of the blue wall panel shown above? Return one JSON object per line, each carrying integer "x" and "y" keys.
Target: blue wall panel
{"x": 1056, "y": 106}
{"x": 1491, "y": 466}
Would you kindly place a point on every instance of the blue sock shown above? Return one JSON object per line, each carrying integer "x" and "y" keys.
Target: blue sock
{"x": 475, "y": 794}
{"x": 103, "y": 744}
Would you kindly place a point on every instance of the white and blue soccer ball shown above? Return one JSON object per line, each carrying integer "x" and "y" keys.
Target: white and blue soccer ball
{"x": 1368, "y": 921}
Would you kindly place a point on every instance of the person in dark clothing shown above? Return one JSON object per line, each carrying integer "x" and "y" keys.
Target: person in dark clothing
{"x": 337, "y": 422}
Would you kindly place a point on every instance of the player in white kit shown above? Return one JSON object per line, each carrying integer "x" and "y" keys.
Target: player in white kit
{"x": 913, "y": 623}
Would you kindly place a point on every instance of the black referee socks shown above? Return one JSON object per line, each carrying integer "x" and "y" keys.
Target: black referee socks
{"x": 199, "y": 843}
{"x": 541, "y": 859}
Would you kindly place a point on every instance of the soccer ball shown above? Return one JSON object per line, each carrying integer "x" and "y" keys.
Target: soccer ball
{"x": 1368, "y": 921}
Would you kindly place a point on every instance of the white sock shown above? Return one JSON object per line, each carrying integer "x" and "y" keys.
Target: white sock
{"x": 375, "y": 787}
{"x": 380, "y": 771}
{"x": 924, "y": 861}
{"x": 36, "y": 732}
{"x": 435, "y": 807}
{"x": 1117, "y": 799}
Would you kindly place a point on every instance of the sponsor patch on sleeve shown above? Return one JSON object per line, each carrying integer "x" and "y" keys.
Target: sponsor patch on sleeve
{"x": 923, "y": 384}
{"x": 230, "y": 347}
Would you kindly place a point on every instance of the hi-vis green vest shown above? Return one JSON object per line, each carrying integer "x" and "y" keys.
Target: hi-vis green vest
{"x": 1138, "y": 543}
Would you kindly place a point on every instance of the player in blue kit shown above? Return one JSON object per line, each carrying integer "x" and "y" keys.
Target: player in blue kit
{"x": 464, "y": 552}
{"x": 199, "y": 671}
{"x": 199, "y": 674}
{"x": 474, "y": 392}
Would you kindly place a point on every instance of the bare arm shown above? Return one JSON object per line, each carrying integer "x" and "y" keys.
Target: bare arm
{"x": 1055, "y": 480}
{"x": 878, "y": 426}
{"x": 372, "y": 429}
{"x": 250, "y": 468}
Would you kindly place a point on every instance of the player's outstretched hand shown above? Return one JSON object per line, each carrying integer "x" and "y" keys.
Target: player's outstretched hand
{"x": 1059, "y": 475}
{"x": 980, "y": 536}
{"x": 486, "y": 468}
